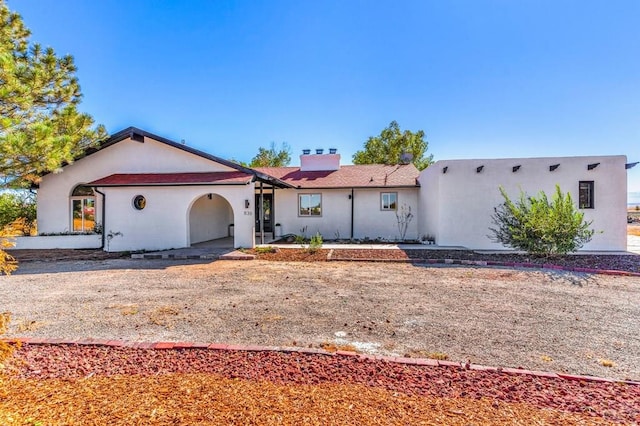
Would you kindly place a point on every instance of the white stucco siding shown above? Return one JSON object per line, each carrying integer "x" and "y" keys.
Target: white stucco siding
{"x": 127, "y": 156}
{"x": 209, "y": 218}
{"x": 369, "y": 220}
{"x": 335, "y": 218}
{"x": 465, "y": 199}
{"x": 165, "y": 222}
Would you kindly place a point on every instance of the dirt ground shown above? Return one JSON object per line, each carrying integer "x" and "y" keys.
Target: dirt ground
{"x": 557, "y": 321}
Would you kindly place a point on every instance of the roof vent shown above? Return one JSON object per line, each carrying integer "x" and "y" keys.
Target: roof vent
{"x": 333, "y": 150}
{"x": 138, "y": 137}
{"x": 319, "y": 151}
{"x": 306, "y": 151}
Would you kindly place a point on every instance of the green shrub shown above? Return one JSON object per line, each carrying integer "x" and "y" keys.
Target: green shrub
{"x": 18, "y": 205}
{"x": 265, "y": 249}
{"x": 539, "y": 226}
{"x": 315, "y": 243}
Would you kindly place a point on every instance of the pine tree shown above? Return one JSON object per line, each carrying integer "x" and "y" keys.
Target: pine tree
{"x": 40, "y": 126}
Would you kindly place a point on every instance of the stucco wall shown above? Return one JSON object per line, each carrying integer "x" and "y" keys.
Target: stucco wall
{"x": 465, "y": 199}
{"x": 165, "y": 221}
{"x": 369, "y": 220}
{"x": 127, "y": 156}
{"x": 209, "y": 218}
{"x": 92, "y": 241}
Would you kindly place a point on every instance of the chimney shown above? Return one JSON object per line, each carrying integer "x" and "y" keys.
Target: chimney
{"x": 319, "y": 161}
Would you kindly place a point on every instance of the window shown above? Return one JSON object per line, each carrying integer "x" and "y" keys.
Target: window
{"x": 585, "y": 194}
{"x": 388, "y": 200}
{"x": 83, "y": 209}
{"x": 139, "y": 202}
{"x": 310, "y": 205}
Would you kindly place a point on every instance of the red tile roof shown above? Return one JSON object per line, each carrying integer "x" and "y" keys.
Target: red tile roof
{"x": 351, "y": 176}
{"x": 205, "y": 178}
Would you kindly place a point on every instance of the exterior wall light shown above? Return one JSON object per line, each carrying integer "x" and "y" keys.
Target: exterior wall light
{"x": 246, "y": 203}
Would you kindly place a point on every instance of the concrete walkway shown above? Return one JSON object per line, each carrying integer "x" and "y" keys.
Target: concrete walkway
{"x": 633, "y": 244}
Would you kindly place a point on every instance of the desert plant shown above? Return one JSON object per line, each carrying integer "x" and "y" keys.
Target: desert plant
{"x": 8, "y": 263}
{"x": 5, "y": 348}
{"x": 265, "y": 249}
{"x": 299, "y": 239}
{"x": 539, "y": 226}
{"x": 315, "y": 243}
{"x": 404, "y": 218}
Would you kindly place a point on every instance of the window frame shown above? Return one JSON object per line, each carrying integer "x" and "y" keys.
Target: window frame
{"x": 84, "y": 200}
{"x": 590, "y": 194}
{"x": 310, "y": 195}
{"x": 388, "y": 208}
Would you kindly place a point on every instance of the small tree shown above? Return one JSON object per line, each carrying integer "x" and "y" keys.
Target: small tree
{"x": 18, "y": 205}
{"x": 404, "y": 218}
{"x": 538, "y": 226}
{"x": 390, "y": 146}
{"x": 272, "y": 157}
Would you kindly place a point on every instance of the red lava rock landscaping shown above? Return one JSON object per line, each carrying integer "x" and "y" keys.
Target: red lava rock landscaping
{"x": 292, "y": 255}
{"x": 580, "y": 263}
{"x": 55, "y": 255}
{"x": 68, "y": 384}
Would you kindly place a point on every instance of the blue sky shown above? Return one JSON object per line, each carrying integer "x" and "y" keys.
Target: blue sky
{"x": 482, "y": 78}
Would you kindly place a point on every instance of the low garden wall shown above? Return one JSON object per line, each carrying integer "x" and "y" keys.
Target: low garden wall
{"x": 92, "y": 241}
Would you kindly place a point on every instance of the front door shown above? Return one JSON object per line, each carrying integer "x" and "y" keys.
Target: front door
{"x": 268, "y": 212}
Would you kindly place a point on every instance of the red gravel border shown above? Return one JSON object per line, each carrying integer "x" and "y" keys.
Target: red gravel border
{"x": 468, "y": 262}
{"x": 258, "y": 348}
{"x": 610, "y": 400}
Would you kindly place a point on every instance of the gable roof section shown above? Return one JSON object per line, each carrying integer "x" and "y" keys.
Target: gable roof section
{"x": 171, "y": 179}
{"x": 138, "y": 135}
{"x": 350, "y": 176}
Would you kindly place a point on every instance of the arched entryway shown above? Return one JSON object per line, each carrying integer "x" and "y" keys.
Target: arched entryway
{"x": 211, "y": 218}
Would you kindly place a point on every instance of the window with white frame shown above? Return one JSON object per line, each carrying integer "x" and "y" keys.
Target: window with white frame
{"x": 388, "y": 200}
{"x": 310, "y": 205}
{"x": 83, "y": 209}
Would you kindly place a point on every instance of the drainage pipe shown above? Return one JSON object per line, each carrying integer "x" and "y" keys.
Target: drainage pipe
{"x": 104, "y": 206}
{"x": 352, "y": 198}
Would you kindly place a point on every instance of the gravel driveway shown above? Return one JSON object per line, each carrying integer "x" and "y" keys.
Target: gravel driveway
{"x": 556, "y": 321}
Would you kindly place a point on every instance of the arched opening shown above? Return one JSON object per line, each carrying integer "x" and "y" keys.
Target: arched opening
{"x": 211, "y": 219}
{"x": 83, "y": 209}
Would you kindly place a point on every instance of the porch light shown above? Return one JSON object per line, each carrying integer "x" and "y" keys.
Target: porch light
{"x": 444, "y": 169}
{"x": 479, "y": 169}
{"x": 515, "y": 168}
{"x": 246, "y": 203}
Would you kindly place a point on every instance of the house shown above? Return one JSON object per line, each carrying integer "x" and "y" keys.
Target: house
{"x": 146, "y": 192}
